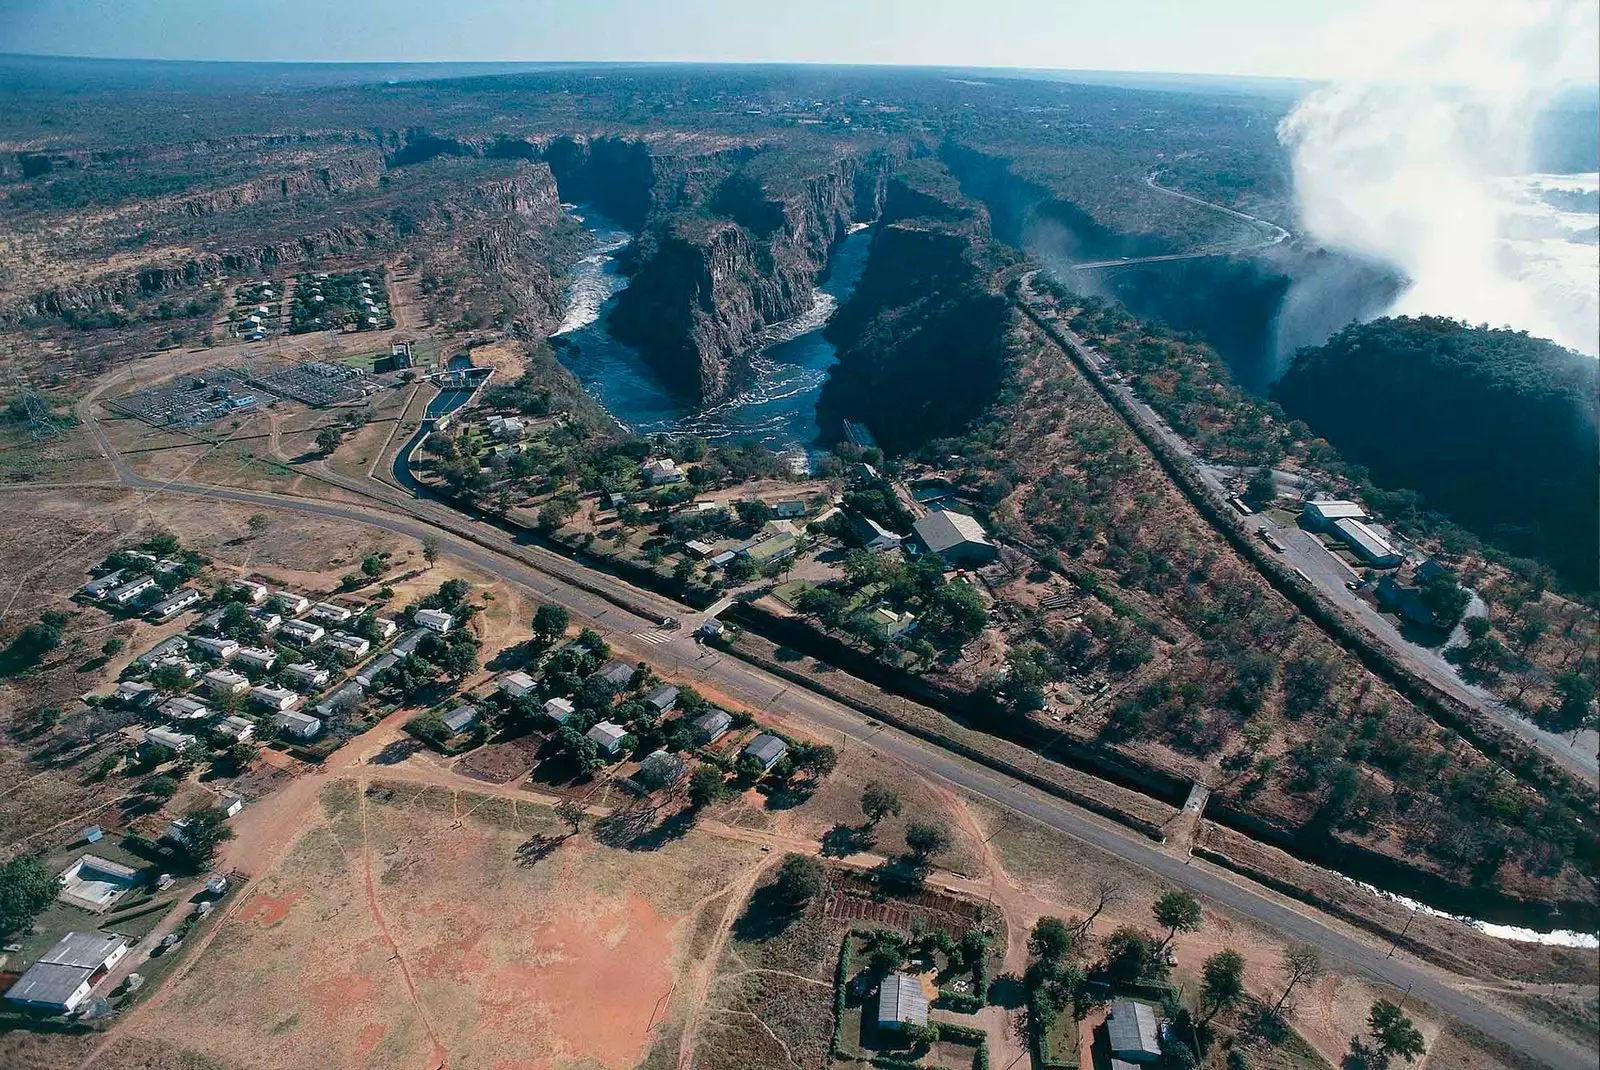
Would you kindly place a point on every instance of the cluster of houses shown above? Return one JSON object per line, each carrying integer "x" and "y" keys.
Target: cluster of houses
{"x": 269, "y": 651}
{"x": 144, "y": 582}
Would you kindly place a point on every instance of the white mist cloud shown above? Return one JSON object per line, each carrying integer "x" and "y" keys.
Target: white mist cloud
{"x": 1410, "y": 157}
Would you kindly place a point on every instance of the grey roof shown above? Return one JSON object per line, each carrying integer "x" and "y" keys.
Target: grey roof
{"x": 176, "y": 644}
{"x": 407, "y": 644}
{"x": 1364, "y": 540}
{"x": 48, "y": 984}
{"x": 86, "y": 950}
{"x": 616, "y": 672}
{"x": 716, "y": 721}
{"x": 662, "y": 766}
{"x": 1336, "y": 509}
{"x": 96, "y": 864}
{"x": 377, "y": 665}
{"x": 943, "y": 530}
{"x": 900, "y": 1000}
{"x": 461, "y": 718}
{"x": 347, "y": 692}
{"x": 662, "y": 699}
{"x": 1132, "y": 1027}
{"x": 767, "y": 748}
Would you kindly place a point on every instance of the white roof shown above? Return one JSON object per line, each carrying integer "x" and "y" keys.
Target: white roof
{"x": 1337, "y": 509}
{"x": 518, "y": 683}
{"x": 943, "y": 529}
{"x": 607, "y": 734}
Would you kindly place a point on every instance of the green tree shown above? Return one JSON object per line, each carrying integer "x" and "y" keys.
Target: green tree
{"x": 328, "y": 438}
{"x": 878, "y": 801}
{"x": 753, "y": 512}
{"x": 926, "y": 840}
{"x": 30, "y": 645}
{"x": 1221, "y": 982}
{"x": 26, "y": 888}
{"x": 1132, "y": 955}
{"x": 428, "y": 727}
{"x": 1262, "y": 488}
{"x": 1177, "y": 911}
{"x": 160, "y": 787}
{"x": 705, "y": 786}
{"x": 205, "y": 829}
{"x": 572, "y": 815}
{"x": 799, "y": 879}
{"x": 1051, "y": 940}
{"x": 550, "y": 621}
{"x": 1393, "y": 1032}
{"x": 373, "y": 566}
{"x": 430, "y": 549}
{"x": 111, "y": 647}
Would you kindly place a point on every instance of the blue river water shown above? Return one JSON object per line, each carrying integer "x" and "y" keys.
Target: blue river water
{"x": 777, "y": 408}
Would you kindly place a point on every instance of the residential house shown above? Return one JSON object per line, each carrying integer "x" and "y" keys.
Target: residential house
{"x": 516, "y": 684}
{"x": 212, "y": 622}
{"x": 1132, "y": 1032}
{"x": 385, "y": 627}
{"x": 278, "y": 699}
{"x": 342, "y": 699}
{"x": 558, "y": 709}
{"x": 307, "y": 675}
{"x": 169, "y": 739}
{"x": 712, "y": 726}
{"x": 901, "y": 1002}
{"x": 131, "y": 590}
{"x": 662, "y": 471}
{"x": 661, "y": 768}
{"x": 269, "y": 620}
{"x": 255, "y": 657}
{"x": 230, "y": 804}
{"x": 185, "y": 709}
{"x": 174, "y": 604}
{"x": 98, "y": 588}
{"x": 299, "y": 725}
{"x": 461, "y": 718}
{"x": 217, "y": 648}
{"x": 699, "y": 549}
{"x": 767, "y": 749}
{"x": 291, "y": 603}
{"x": 873, "y": 535}
{"x": 351, "y": 646}
{"x": 407, "y": 644}
{"x": 221, "y": 683}
{"x": 369, "y": 672}
{"x": 661, "y": 699}
{"x": 957, "y": 538}
{"x": 608, "y": 737}
{"x": 619, "y": 674}
{"x": 256, "y": 593}
{"x": 135, "y": 693}
{"x": 331, "y": 613}
{"x": 63, "y": 976}
{"x": 435, "y": 620}
{"x": 173, "y": 646}
{"x": 789, "y": 508}
{"x": 237, "y": 727}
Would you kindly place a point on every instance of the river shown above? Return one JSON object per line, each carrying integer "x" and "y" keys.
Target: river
{"x": 777, "y": 408}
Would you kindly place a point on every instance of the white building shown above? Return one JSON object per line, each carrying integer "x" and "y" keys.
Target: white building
{"x": 329, "y": 612}
{"x": 131, "y": 590}
{"x": 435, "y": 620}
{"x": 221, "y": 682}
{"x": 185, "y": 709}
{"x": 559, "y": 709}
{"x": 302, "y": 632}
{"x": 662, "y": 471}
{"x": 221, "y": 649}
{"x": 299, "y": 725}
{"x": 255, "y": 592}
{"x": 256, "y": 657}
{"x": 170, "y": 739}
{"x": 516, "y": 684}
{"x": 386, "y": 627}
{"x": 351, "y": 646}
{"x": 65, "y": 975}
{"x": 307, "y": 675}
{"x": 237, "y": 727}
{"x": 274, "y": 698}
{"x": 291, "y": 603}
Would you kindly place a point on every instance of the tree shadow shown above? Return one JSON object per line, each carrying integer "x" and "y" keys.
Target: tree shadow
{"x": 785, "y": 653}
{"x": 843, "y": 840}
{"x": 1008, "y": 991}
{"x": 674, "y": 828}
{"x": 396, "y": 752}
{"x": 766, "y": 916}
{"x": 786, "y": 796}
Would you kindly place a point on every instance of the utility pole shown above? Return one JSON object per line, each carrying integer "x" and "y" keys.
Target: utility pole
{"x": 1402, "y": 936}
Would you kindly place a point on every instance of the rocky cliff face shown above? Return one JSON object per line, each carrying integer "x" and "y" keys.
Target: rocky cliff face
{"x": 707, "y": 282}
{"x": 501, "y": 226}
{"x": 354, "y": 172}
{"x": 925, "y": 326}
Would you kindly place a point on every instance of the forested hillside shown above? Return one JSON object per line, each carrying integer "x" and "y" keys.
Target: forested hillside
{"x": 1493, "y": 427}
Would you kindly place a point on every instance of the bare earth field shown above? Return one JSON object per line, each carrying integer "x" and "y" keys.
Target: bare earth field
{"x": 396, "y": 932}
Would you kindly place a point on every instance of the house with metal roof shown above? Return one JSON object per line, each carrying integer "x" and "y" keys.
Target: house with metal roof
{"x": 618, "y": 674}
{"x": 97, "y": 588}
{"x": 223, "y": 682}
{"x": 173, "y": 604}
{"x": 901, "y": 1002}
{"x": 274, "y": 698}
{"x": 131, "y": 590}
{"x": 873, "y": 535}
{"x": 350, "y": 646}
{"x": 660, "y": 768}
{"x": 712, "y": 726}
{"x": 291, "y": 603}
{"x": 661, "y": 699}
{"x": 135, "y": 693}
{"x": 1132, "y": 1032}
{"x": 63, "y": 976}
{"x": 237, "y": 727}
{"x": 172, "y": 646}
{"x": 608, "y": 736}
{"x": 302, "y": 632}
{"x": 559, "y": 709}
{"x": 169, "y": 739}
{"x": 300, "y": 725}
{"x": 461, "y": 718}
{"x": 767, "y": 749}
{"x": 435, "y": 620}
{"x": 347, "y": 696}
{"x": 516, "y": 684}
{"x": 220, "y": 649}
{"x": 256, "y": 657}
{"x": 328, "y": 611}
{"x": 185, "y": 709}
{"x": 407, "y": 644}
{"x": 957, "y": 538}
{"x": 307, "y": 675}
{"x": 256, "y": 593}
{"x": 661, "y": 471}
{"x": 370, "y": 671}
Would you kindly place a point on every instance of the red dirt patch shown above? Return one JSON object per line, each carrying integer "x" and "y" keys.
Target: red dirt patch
{"x": 369, "y": 1038}
{"x": 340, "y": 994}
{"x": 602, "y": 978}
{"x": 267, "y": 911}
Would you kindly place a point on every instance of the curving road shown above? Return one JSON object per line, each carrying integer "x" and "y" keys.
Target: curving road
{"x": 1276, "y": 235}
{"x": 628, "y": 613}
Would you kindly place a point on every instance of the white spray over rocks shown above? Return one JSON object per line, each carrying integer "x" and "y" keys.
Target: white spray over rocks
{"x": 1416, "y": 157}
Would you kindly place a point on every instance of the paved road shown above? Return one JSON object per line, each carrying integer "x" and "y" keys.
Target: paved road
{"x": 1275, "y": 235}
{"x": 600, "y": 600}
{"x": 1328, "y": 575}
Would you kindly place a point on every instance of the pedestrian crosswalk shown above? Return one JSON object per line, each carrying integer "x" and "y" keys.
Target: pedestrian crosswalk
{"x": 654, "y": 638}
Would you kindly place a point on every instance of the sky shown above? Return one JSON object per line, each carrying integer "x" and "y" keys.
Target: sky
{"x": 1278, "y": 38}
